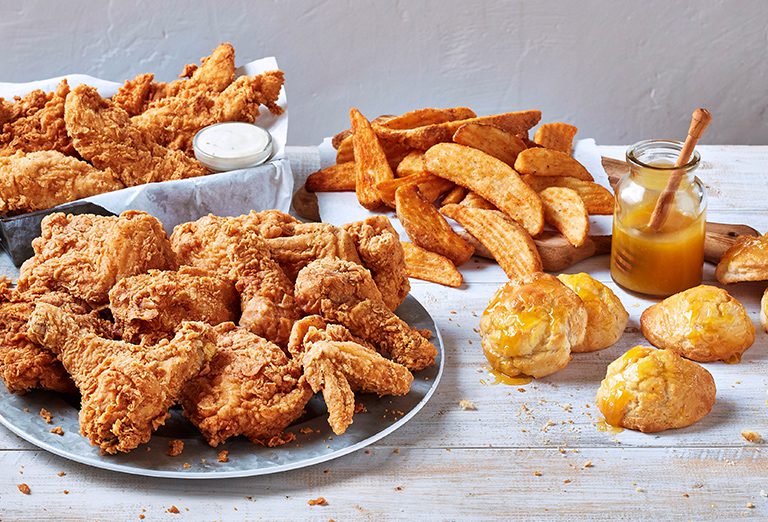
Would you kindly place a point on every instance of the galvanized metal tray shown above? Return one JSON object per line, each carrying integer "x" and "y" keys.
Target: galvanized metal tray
{"x": 315, "y": 442}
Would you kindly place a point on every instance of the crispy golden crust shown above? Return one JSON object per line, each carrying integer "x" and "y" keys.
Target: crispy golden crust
{"x": 42, "y": 129}
{"x": 134, "y": 94}
{"x": 150, "y": 307}
{"x": 44, "y": 179}
{"x": 703, "y": 323}
{"x": 606, "y": 316}
{"x": 746, "y": 260}
{"x": 249, "y": 388}
{"x": 531, "y": 325}
{"x": 378, "y": 244}
{"x": 344, "y": 292}
{"x": 126, "y": 389}
{"x": 85, "y": 255}
{"x": 104, "y": 135}
{"x": 654, "y": 390}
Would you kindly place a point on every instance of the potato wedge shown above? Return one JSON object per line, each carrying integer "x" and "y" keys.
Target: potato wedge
{"x": 394, "y": 151}
{"x": 455, "y": 195}
{"x": 341, "y": 136}
{"x": 428, "y": 116}
{"x": 475, "y": 201}
{"x": 345, "y": 152}
{"x": 427, "y": 228}
{"x": 412, "y": 164}
{"x": 371, "y": 165}
{"x": 556, "y": 136}
{"x": 508, "y": 242}
{"x": 428, "y": 266}
{"x": 546, "y": 162}
{"x": 428, "y": 135}
{"x": 490, "y": 178}
{"x": 597, "y": 199}
{"x": 564, "y": 210}
{"x": 490, "y": 139}
{"x": 336, "y": 178}
{"x": 430, "y": 186}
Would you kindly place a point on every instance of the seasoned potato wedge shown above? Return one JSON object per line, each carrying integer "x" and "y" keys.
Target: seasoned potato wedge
{"x": 411, "y": 164}
{"x": 497, "y": 142}
{"x": 427, "y": 116}
{"x": 564, "y": 210}
{"x": 430, "y": 186}
{"x": 546, "y": 162}
{"x": 556, "y": 136}
{"x": 597, "y": 199}
{"x": 428, "y": 266}
{"x": 336, "y": 178}
{"x": 371, "y": 165}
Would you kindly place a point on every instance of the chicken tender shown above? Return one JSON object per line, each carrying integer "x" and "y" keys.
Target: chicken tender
{"x": 606, "y": 316}
{"x": 344, "y": 292}
{"x": 126, "y": 389}
{"x": 150, "y": 307}
{"x": 249, "y": 388}
{"x": 104, "y": 135}
{"x": 41, "y": 180}
{"x": 531, "y": 325}
{"x": 133, "y": 95}
{"x": 85, "y": 255}
{"x": 225, "y": 247}
{"x": 703, "y": 323}
{"x": 655, "y": 390}
{"x": 378, "y": 245}
{"x": 35, "y": 130}
{"x": 745, "y": 260}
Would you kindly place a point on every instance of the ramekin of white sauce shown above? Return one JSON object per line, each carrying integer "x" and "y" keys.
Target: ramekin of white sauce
{"x": 232, "y": 145}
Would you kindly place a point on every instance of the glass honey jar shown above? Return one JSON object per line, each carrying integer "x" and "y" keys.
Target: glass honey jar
{"x": 670, "y": 259}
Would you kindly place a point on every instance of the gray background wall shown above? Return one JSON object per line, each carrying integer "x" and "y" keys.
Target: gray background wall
{"x": 620, "y": 70}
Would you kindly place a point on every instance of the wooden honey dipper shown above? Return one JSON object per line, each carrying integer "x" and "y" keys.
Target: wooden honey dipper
{"x": 699, "y": 121}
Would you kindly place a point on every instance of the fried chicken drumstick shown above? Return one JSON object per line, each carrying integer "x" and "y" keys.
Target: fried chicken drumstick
{"x": 126, "y": 389}
{"x": 345, "y": 293}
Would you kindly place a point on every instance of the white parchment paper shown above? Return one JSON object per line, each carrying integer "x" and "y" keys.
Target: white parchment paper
{"x": 342, "y": 207}
{"x": 227, "y": 193}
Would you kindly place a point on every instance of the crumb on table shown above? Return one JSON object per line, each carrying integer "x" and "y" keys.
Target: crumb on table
{"x": 319, "y": 501}
{"x": 174, "y": 510}
{"x": 466, "y": 404}
{"x": 58, "y": 430}
{"x": 223, "y": 456}
{"x": 175, "y": 447}
{"x": 24, "y": 488}
{"x": 46, "y": 415}
{"x": 752, "y": 436}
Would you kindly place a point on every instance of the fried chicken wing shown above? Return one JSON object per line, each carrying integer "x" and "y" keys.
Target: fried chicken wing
{"x": 250, "y": 387}
{"x": 313, "y": 328}
{"x": 126, "y": 389}
{"x": 42, "y": 129}
{"x": 173, "y": 121}
{"x": 150, "y": 307}
{"x": 238, "y": 253}
{"x": 344, "y": 292}
{"x": 44, "y": 179}
{"x": 85, "y": 255}
{"x": 104, "y": 135}
{"x": 381, "y": 252}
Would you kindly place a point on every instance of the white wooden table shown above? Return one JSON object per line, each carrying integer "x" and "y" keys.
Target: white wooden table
{"x": 530, "y": 451}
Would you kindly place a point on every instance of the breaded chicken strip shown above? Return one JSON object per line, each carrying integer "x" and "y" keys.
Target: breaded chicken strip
{"x": 21, "y": 107}
{"x": 344, "y": 292}
{"x": 104, "y": 135}
{"x": 126, "y": 389}
{"x": 149, "y": 307}
{"x": 250, "y": 387}
{"x": 85, "y": 255}
{"x": 43, "y": 129}
{"x": 44, "y": 179}
{"x": 134, "y": 94}
{"x": 214, "y": 74}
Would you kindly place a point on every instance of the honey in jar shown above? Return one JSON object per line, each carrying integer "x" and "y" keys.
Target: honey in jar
{"x": 671, "y": 259}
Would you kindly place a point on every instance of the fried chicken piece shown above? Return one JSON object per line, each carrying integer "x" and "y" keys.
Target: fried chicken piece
{"x": 85, "y": 255}
{"x": 133, "y": 95}
{"x": 745, "y": 260}
{"x": 339, "y": 368}
{"x": 214, "y": 74}
{"x": 44, "y": 179}
{"x": 173, "y": 121}
{"x": 250, "y": 387}
{"x": 21, "y": 107}
{"x": 313, "y": 328}
{"x": 25, "y": 365}
{"x": 150, "y": 307}
{"x": 126, "y": 389}
{"x": 344, "y": 292}
{"x": 43, "y": 129}
{"x": 104, "y": 135}
{"x": 381, "y": 252}
{"x": 302, "y": 243}
{"x": 234, "y": 250}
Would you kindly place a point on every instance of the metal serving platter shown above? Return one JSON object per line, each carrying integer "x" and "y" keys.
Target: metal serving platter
{"x": 314, "y": 443}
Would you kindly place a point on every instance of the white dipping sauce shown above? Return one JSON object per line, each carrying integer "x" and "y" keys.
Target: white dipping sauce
{"x": 232, "y": 146}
